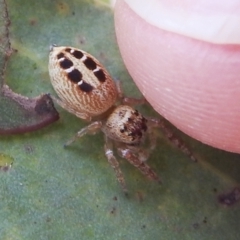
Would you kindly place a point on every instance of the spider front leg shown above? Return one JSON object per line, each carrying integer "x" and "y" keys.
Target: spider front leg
{"x": 175, "y": 140}
{"x": 142, "y": 153}
{"x": 90, "y": 129}
{"x": 136, "y": 162}
{"x": 128, "y": 100}
{"x": 108, "y": 147}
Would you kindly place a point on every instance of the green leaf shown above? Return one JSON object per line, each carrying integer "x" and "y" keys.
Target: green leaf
{"x": 55, "y": 193}
{"x": 19, "y": 114}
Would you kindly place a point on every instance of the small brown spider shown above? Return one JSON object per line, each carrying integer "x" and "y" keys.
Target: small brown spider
{"x": 86, "y": 89}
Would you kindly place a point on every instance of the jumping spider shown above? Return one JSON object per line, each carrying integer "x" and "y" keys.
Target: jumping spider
{"x": 86, "y": 89}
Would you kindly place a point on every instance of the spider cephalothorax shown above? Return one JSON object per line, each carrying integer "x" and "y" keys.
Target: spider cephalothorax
{"x": 125, "y": 125}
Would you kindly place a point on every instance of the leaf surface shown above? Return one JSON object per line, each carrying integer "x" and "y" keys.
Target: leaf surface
{"x": 55, "y": 193}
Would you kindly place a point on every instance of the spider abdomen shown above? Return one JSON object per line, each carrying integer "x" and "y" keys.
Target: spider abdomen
{"x": 80, "y": 81}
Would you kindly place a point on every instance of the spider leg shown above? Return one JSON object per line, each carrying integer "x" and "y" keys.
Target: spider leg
{"x": 65, "y": 106}
{"x": 143, "y": 153}
{"x": 119, "y": 89}
{"x": 108, "y": 147}
{"x": 136, "y": 162}
{"x": 175, "y": 140}
{"x": 133, "y": 101}
{"x": 128, "y": 100}
{"x": 90, "y": 129}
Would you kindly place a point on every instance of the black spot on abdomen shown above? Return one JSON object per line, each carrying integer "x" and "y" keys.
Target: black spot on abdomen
{"x": 66, "y": 63}
{"x": 75, "y": 76}
{"x": 86, "y": 87}
{"x": 60, "y": 55}
{"x": 77, "y": 54}
{"x": 100, "y": 75}
{"x": 89, "y": 63}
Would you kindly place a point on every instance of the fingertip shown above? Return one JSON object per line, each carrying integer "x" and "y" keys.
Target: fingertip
{"x": 192, "y": 83}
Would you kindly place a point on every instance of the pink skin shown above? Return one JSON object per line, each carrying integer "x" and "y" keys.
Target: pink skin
{"x": 192, "y": 83}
